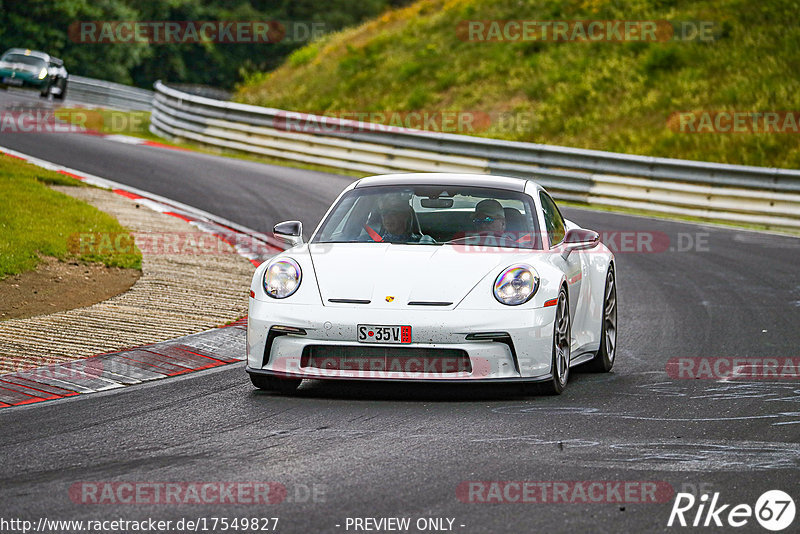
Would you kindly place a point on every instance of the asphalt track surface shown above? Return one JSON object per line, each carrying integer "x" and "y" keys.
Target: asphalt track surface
{"x": 395, "y": 450}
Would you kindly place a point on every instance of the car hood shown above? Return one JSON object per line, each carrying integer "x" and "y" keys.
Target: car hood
{"x": 409, "y": 273}
{"x": 20, "y": 68}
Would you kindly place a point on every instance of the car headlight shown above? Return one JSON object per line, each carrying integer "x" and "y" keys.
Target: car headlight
{"x": 42, "y": 73}
{"x": 516, "y": 285}
{"x": 282, "y": 278}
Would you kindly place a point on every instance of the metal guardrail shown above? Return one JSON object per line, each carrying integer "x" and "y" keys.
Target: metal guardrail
{"x": 736, "y": 193}
{"x": 108, "y": 94}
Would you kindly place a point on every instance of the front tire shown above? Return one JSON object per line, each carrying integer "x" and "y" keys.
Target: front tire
{"x": 604, "y": 359}
{"x": 562, "y": 341}
{"x": 275, "y": 383}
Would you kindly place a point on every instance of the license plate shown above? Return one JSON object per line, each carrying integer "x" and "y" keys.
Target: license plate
{"x": 12, "y": 81}
{"x": 374, "y": 333}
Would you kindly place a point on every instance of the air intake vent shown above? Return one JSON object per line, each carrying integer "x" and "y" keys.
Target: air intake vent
{"x": 429, "y": 303}
{"x": 374, "y": 359}
{"x": 349, "y": 301}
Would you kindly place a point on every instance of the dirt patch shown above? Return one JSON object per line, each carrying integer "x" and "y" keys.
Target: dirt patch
{"x": 58, "y": 286}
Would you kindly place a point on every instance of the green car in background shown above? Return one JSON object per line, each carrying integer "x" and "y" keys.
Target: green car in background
{"x": 20, "y": 67}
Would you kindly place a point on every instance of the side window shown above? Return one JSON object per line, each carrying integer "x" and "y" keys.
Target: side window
{"x": 554, "y": 223}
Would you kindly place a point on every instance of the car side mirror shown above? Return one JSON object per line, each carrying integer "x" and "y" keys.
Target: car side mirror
{"x": 290, "y": 232}
{"x": 579, "y": 239}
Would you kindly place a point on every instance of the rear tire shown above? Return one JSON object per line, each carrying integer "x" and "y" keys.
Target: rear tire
{"x": 604, "y": 359}
{"x": 276, "y": 383}
{"x": 562, "y": 339}
{"x": 62, "y": 94}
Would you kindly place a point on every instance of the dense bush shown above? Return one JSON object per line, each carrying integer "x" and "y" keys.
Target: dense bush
{"x": 606, "y": 95}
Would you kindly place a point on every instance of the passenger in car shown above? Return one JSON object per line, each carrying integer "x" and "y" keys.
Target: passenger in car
{"x": 489, "y": 216}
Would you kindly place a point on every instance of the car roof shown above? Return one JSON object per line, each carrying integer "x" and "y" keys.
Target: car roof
{"x": 442, "y": 178}
{"x": 28, "y": 52}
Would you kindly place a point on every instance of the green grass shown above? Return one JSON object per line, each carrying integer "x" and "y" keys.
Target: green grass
{"x": 107, "y": 121}
{"x": 37, "y": 221}
{"x": 608, "y": 95}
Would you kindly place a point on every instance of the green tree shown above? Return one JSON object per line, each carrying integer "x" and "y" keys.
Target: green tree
{"x": 44, "y": 25}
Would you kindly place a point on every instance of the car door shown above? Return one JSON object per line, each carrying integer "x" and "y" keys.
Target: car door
{"x": 555, "y": 228}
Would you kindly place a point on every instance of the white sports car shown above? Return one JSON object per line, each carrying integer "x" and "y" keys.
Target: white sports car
{"x": 435, "y": 278}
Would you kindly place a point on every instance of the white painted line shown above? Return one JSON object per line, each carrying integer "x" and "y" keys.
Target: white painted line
{"x": 127, "y": 139}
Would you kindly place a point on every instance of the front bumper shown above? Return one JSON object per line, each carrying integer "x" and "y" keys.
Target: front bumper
{"x": 440, "y": 348}
{"x": 512, "y": 380}
{"x": 22, "y": 80}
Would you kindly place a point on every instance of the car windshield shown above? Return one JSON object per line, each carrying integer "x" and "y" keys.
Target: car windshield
{"x": 20, "y": 58}
{"x": 432, "y": 215}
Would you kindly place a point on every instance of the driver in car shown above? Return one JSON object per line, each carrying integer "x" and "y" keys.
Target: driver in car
{"x": 397, "y": 223}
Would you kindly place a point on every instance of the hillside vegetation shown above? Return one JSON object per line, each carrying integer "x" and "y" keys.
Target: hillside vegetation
{"x": 616, "y": 96}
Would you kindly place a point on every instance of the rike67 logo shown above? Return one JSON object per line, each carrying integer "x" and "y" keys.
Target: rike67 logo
{"x": 774, "y": 510}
